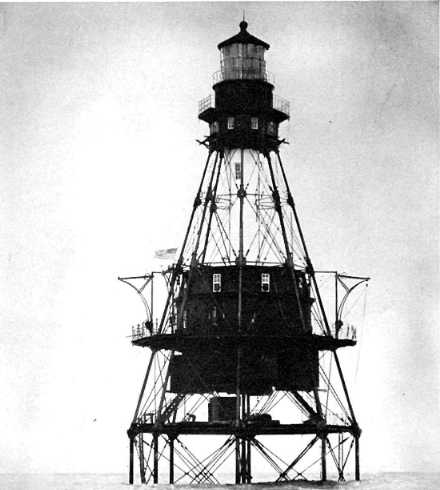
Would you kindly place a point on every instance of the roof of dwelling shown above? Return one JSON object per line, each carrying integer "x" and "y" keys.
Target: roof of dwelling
{"x": 243, "y": 37}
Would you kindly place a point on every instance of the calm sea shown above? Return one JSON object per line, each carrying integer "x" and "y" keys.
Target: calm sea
{"x": 379, "y": 481}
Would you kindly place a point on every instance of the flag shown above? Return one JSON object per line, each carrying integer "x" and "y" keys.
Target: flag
{"x": 165, "y": 254}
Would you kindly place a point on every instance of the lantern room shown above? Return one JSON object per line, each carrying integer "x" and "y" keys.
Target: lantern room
{"x": 242, "y": 57}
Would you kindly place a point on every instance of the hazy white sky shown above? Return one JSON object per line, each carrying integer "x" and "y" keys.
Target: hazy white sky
{"x": 100, "y": 166}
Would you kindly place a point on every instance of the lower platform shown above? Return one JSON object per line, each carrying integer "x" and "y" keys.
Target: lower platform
{"x": 244, "y": 430}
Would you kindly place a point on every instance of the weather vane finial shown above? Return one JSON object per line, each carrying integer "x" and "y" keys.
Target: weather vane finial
{"x": 243, "y": 23}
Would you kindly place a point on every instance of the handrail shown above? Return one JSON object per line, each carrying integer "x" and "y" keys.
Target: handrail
{"x": 344, "y": 332}
{"x": 281, "y": 105}
{"x": 205, "y": 104}
{"x": 241, "y": 74}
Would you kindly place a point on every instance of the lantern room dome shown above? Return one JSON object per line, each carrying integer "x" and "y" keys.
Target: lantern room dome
{"x": 243, "y": 37}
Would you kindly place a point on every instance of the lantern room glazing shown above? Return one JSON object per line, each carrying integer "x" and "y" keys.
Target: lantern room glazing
{"x": 241, "y": 61}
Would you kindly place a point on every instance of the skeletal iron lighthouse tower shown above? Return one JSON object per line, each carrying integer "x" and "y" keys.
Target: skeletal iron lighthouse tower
{"x": 244, "y": 351}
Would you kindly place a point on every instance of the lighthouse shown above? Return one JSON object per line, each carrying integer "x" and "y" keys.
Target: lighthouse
{"x": 244, "y": 329}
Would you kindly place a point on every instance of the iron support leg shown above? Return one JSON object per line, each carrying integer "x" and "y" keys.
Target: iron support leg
{"x": 243, "y": 462}
{"x": 323, "y": 459}
{"x": 249, "y": 474}
{"x": 357, "y": 466}
{"x": 156, "y": 459}
{"x": 172, "y": 460}
{"x": 131, "y": 474}
{"x": 237, "y": 461}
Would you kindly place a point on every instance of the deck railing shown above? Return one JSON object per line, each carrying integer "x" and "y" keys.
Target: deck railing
{"x": 345, "y": 331}
{"x": 144, "y": 329}
{"x": 220, "y": 76}
{"x": 206, "y": 103}
{"x": 281, "y": 105}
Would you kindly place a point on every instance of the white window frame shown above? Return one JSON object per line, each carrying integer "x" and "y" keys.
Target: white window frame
{"x": 254, "y": 122}
{"x": 231, "y": 123}
{"x": 216, "y": 283}
{"x": 265, "y": 282}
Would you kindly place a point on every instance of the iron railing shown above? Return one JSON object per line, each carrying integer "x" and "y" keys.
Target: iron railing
{"x": 144, "y": 329}
{"x": 278, "y": 104}
{"x": 205, "y": 104}
{"x": 220, "y": 76}
{"x": 345, "y": 331}
{"x": 281, "y": 105}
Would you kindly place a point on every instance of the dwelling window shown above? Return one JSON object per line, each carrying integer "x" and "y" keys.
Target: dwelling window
{"x": 230, "y": 123}
{"x": 214, "y": 127}
{"x": 214, "y": 315}
{"x": 238, "y": 170}
{"x": 254, "y": 122}
{"x": 271, "y": 127}
{"x": 217, "y": 283}
{"x": 265, "y": 283}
